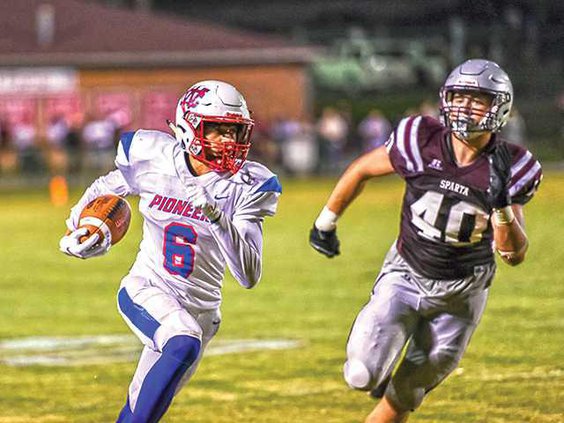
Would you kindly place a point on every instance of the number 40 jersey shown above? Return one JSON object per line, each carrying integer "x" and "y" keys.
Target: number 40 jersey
{"x": 445, "y": 229}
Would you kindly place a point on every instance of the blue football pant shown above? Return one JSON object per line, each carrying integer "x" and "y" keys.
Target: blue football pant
{"x": 174, "y": 335}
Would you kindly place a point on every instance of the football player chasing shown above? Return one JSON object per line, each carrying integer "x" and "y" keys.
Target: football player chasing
{"x": 203, "y": 206}
{"x": 465, "y": 189}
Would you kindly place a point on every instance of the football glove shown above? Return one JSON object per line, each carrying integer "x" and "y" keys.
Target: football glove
{"x": 201, "y": 199}
{"x": 500, "y": 176}
{"x": 70, "y": 244}
{"x": 326, "y": 242}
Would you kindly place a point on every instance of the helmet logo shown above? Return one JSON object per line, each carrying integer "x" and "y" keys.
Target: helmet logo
{"x": 195, "y": 148}
{"x": 192, "y": 96}
{"x": 471, "y": 82}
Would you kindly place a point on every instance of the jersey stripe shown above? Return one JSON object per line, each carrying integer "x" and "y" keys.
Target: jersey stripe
{"x": 401, "y": 142}
{"x": 521, "y": 163}
{"x": 125, "y": 141}
{"x": 272, "y": 184}
{"x": 390, "y": 142}
{"x": 525, "y": 179}
{"x": 415, "y": 145}
{"x": 137, "y": 314}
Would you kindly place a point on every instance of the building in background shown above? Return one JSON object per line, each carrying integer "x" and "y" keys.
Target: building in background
{"x": 88, "y": 62}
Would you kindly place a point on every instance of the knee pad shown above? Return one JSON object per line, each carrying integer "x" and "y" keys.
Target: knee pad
{"x": 357, "y": 375}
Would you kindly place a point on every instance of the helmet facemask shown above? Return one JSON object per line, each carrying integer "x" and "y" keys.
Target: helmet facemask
{"x": 221, "y": 154}
{"x": 459, "y": 118}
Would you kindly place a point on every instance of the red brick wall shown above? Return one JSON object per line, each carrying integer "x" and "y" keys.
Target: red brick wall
{"x": 270, "y": 91}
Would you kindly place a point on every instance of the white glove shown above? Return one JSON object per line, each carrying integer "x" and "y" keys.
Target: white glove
{"x": 70, "y": 244}
{"x": 201, "y": 199}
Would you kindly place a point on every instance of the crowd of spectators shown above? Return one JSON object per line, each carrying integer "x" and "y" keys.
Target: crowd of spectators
{"x": 72, "y": 147}
{"x": 326, "y": 145}
{"x": 67, "y": 146}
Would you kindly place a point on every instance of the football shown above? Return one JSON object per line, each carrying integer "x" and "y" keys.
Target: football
{"x": 108, "y": 216}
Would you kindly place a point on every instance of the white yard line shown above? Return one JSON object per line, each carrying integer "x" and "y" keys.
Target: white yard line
{"x": 103, "y": 349}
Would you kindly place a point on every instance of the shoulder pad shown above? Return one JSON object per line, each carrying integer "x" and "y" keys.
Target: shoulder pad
{"x": 125, "y": 141}
{"x": 262, "y": 189}
{"x": 404, "y": 145}
{"x": 258, "y": 178}
{"x": 526, "y": 174}
{"x": 141, "y": 145}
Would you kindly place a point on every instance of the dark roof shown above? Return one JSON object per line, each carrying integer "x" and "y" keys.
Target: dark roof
{"x": 90, "y": 34}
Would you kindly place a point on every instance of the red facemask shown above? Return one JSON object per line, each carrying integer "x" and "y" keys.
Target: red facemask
{"x": 222, "y": 155}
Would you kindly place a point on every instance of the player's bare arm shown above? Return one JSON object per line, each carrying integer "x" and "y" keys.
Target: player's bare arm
{"x": 323, "y": 236}
{"x": 350, "y": 185}
{"x": 509, "y": 234}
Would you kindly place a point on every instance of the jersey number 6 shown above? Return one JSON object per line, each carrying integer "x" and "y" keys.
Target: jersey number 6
{"x": 177, "y": 249}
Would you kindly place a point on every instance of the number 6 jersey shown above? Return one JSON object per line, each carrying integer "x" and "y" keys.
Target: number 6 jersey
{"x": 445, "y": 229}
{"x": 181, "y": 250}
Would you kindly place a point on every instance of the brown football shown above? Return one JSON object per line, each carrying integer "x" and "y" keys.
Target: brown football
{"x": 106, "y": 215}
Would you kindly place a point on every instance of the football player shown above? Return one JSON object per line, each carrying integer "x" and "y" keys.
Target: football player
{"x": 203, "y": 206}
{"x": 465, "y": 188}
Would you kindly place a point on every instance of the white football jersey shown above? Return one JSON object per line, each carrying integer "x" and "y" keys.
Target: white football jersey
{"x": 181, "y": 249}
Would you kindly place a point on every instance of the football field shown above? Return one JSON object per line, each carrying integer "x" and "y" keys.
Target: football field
{"x": 67, "y": 356}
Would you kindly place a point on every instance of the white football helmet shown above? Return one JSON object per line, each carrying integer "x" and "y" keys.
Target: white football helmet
{"x": 483, "y": 76}
{"x": 213, "y": 103}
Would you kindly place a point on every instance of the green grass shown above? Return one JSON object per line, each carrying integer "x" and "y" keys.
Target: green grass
{"x": 512, "y": 371}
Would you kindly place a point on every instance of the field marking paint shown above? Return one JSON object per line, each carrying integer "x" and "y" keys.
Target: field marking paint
{"x": 104, "y": 349}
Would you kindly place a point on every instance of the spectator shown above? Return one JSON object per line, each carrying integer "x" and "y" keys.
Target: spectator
{"x": 8, "y": 159}
{"x": 374, "y": 130}
{"x": 24, "y": 140}
{"x": 282, "y": 130}
{"x": 98, "y": 136}
{"x": 300, "y": 153}
{"x": 57, "y": 133}
{"x": 333, "y": 130}
{"x": 73, "y": 143}
{"x": 265, "y": 149}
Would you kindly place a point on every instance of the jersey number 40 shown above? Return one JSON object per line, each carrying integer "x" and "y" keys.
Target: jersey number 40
{"x": 464, "y": 223}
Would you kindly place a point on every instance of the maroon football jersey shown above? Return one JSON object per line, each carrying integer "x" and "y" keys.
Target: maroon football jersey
{"x": 445, "y": 229}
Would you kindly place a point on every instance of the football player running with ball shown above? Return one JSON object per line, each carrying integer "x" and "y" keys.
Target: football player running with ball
{"x": 465, "y": 189}
{"x": 203, "y": 206}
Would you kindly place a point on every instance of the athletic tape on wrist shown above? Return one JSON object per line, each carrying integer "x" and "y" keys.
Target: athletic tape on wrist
{"x": 504, "y": 216}
{"x": 327, "y": 220}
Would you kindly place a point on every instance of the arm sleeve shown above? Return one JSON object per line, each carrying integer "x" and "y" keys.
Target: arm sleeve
{"x": 240, "y": 238}
{"x": 112, "y": 183}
